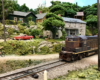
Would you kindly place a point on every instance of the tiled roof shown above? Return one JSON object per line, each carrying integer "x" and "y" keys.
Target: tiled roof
{"x": 41, "y": 16}
{"x": 19, "y": 13}
{"x": 66, "y": 19}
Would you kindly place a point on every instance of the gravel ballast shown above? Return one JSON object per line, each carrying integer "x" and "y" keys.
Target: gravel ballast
{"x": 64, "y": 69}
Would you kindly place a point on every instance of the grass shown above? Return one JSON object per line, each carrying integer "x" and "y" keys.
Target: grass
{"x": 11, "y": 65}
{"x": 90, "y": 73}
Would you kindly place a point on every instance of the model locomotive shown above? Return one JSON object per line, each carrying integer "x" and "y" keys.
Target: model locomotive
{"x": 77, "y": 47}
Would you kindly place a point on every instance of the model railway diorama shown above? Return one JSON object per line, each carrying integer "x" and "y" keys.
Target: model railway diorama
{"x": 77, "y": 47}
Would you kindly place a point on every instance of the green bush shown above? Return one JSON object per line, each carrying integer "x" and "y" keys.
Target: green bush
{"x": 17, "y": 64}
{"x": 45, "y": 49}
{"x": 18, "y": 47}
{"x": 31, "y": 23}
{"x": 21, "y": 28}
{"x": 6, "y": 22}
{"x": 57, "y": 48}
{"x": 19, "y": 22}
{"x": 24, "y": 24}
{"x": 29, "y": 18}
{"x": 10, "y": 31}
{"x": 63, "y": 35}
{"x": 35, "y": 32}
{"x": 12, "y": 22}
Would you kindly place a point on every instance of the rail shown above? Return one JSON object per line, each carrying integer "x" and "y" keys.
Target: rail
{"x": 29, "y": 72}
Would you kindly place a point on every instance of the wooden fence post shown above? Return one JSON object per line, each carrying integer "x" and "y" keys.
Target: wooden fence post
{"x": 45, "y": 75}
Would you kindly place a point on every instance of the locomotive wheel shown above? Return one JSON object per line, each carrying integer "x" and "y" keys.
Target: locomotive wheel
{"x": 80, "y": 57}
{"x": 86, "y": 54}
{"x": 75, "y": 58}
{"x": 83, "y": 55}
{"x": 96, "y": 52}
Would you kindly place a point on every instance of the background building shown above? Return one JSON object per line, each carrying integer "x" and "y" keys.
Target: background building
{"x": 74, "y": 26}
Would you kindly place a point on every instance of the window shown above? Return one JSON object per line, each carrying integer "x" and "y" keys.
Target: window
{"x": 21, "y": 19}
{"x": 15, "y": 19}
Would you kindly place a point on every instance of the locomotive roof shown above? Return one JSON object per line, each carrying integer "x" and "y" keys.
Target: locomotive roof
{"x": 92, "y": 37}
{"x": 83, "y": 37}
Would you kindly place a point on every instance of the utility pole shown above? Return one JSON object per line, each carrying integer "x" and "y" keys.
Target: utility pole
{"x": 3, "y": 20}
{"x": 98, "y": 16}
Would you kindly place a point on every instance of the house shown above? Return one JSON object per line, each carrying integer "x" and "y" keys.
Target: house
{"x": 74, "y": 26}
{"x": 22, "y": 16}
{"x": 40, "y": 17}
{"x": 79, "y": 15}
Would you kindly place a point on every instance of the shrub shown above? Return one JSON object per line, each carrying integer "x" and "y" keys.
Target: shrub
{"x": 6, "y": 22}
{"x": 62, "y": 37}
{"x": 19, "y": 22}
{"x": 26, "y": 31}
{"x": 29, "y": 18}
{"x": 24, "y": 24}
{"x": 17, "y": 64}
{"x": 39, "y": 26}
{"x": 57, "y": 48}
{"x": 21, "y": 28}
{"x": 10, "y": 31}
{"x": 35, "y": 32}
{"x": 11, "y": 22}
{"x": 45, "y": 49}
{"x": 31, "y": 23}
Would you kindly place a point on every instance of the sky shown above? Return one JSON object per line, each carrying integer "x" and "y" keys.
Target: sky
{"x": 35, "y": 3}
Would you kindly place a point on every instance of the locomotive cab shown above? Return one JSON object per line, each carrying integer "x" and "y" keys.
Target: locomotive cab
{"x": 71, "y": 44}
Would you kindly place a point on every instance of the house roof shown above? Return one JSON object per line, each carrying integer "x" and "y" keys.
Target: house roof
{"x": 80, "y": 14}
{"x": 41, "y": 16}
{"x": 19, "y": 13}
{"x": 66, "y": 19}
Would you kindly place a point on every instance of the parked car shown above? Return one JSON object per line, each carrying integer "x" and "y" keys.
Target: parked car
{"x": 23, "y": 37}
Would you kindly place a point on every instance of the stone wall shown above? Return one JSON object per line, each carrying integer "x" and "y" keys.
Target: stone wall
{"x": 80, "y": 26}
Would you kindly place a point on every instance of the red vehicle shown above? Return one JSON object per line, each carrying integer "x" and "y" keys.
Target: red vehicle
{"x": 23, "y": 37}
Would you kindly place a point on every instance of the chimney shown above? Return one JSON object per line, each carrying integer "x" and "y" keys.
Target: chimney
{"x": 59, "y": 15}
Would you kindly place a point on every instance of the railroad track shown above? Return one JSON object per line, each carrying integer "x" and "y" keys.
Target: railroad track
{"x": 32, "y": 71}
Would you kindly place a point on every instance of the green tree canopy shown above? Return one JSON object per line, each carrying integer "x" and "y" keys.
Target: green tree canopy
{"x": 53, "y": 22}
{"x": 43, "y": 9}
{"x": 24, "y": 8}
{"x": 58, "y": 9}
{"x": 92, "y": 23}
{"x": 8, "y": 7}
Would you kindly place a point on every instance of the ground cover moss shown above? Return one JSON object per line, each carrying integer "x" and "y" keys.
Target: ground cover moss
{"x": 11, "y": 65}
{"x": 90, "y": 73}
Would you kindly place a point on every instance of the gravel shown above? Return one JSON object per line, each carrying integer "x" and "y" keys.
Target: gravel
{"x": 61, "y": 70}
{"x": 64, "y": 69}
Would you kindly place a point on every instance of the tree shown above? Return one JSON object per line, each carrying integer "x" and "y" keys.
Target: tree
{"x": 92, "y": 23}
{"x": 57, "y": 9}
{"x": 53, "y": 22}
{"x": 7, "y": 7}
{"x": 24, "y": 8}
{"x": 15, "y": 5}
{"x": 43, "y": 9}
{"x": 33, "y": 11}
{"x": 64, "y": 8}
{"x": 70, "y": 13}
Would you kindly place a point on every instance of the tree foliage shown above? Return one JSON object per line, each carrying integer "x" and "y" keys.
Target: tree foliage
{"x": 53, "y": 22}
{"x": 92, "y": 23}
{"x": 43, "y": 9}
{"x": 8, "y": 8}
